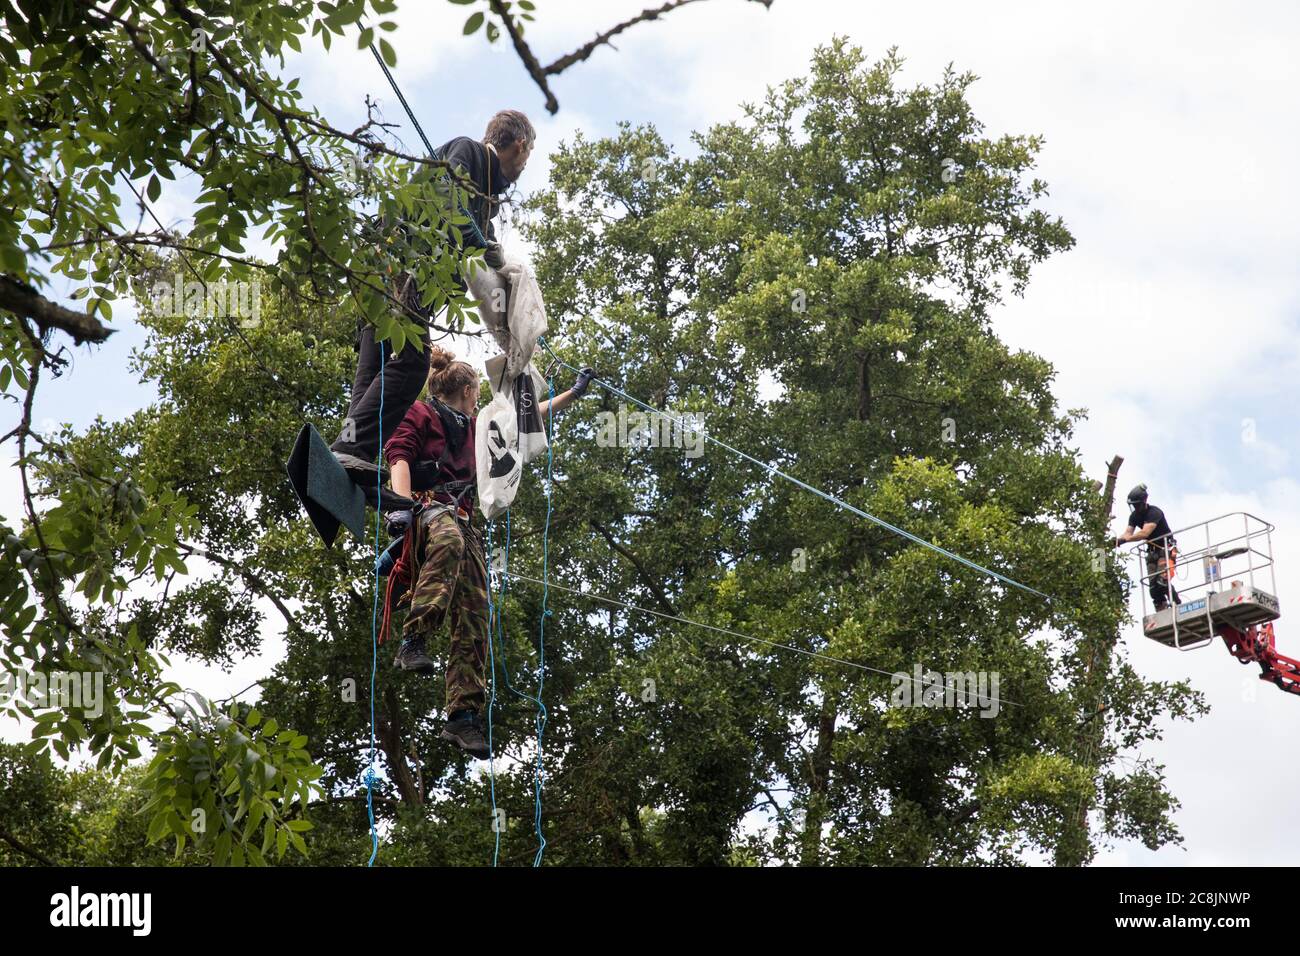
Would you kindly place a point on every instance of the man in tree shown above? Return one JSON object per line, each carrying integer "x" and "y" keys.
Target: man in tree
{"x": 1147, "y": 523}
{"x": 491, "y": 165}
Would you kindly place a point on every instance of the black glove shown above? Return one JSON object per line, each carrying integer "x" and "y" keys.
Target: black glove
{"x": 493, "y": 255}
{"x": 584, "y": 379}
{"x": 398, "y": 522}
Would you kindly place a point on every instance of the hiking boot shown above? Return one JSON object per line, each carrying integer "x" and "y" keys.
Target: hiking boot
{"x": 466, "y": 732}
{"x": 411, "y": 656}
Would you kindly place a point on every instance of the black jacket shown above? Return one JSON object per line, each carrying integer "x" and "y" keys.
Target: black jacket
{"x": 482, "y": 166}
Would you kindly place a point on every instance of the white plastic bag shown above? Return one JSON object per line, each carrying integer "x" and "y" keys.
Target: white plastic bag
{"x": 496, "y": 452}
{"x": 510, "y": 430}
{"x": 491, "y": 290}
{"x": 526, "y": 391}
{"x": 511, "y": 308}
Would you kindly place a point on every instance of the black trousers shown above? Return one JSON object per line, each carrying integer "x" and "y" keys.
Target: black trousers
{"x": 403, "y": 376}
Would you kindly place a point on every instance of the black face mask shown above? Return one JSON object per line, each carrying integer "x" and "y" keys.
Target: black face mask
{"x": 455, "y": 424}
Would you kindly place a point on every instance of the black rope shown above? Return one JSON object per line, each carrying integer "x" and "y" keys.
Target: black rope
{"x": 402, "y": 99}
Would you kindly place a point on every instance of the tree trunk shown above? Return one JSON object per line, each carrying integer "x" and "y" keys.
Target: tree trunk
{"x": 390, "y": 739}
{"x": 864, "y": 387}
{"x": 818, "y": 788}
{"x": 1073, "y": 849}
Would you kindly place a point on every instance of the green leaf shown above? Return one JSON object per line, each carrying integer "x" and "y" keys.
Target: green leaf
{"x": 157, "y": 827}
{"x": 255, "y": 815}
{"x": 387, "y": 52}
{"x": 221, "y": 854}
{"x": 474, "y": 22}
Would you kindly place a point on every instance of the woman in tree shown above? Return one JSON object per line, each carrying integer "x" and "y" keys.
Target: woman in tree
{"x": 431, "y": 455}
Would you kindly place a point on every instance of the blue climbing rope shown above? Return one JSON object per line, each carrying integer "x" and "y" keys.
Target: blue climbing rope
{"x": 541, "y": 628}
{"x": 495, "y": 609}
{"x": 374, "y": 619}
{"x": 497, "y": 637}
{"x": 492, "y": 699}
{"x": 496, "y": 649}
{"x": 838, "y": 502}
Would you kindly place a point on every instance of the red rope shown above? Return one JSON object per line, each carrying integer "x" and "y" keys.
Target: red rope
{"x": 401, "y": 574}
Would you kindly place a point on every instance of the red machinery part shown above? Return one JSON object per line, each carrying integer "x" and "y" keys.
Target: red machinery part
{"x": 1257, "y": 645}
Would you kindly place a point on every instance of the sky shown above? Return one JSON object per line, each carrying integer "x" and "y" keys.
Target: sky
{"x": 1168, "y": 147}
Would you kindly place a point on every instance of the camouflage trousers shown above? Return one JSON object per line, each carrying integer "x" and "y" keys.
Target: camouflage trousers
{"x": 451, "y": 583}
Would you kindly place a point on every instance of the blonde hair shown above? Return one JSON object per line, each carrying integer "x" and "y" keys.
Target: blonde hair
{"x": 447, "y": 374}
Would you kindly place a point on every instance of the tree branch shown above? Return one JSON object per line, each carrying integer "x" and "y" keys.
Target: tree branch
{"x": 23, "y": 848}
{"x": 258, "y": 583}
{"x": 540, "y": 73}
{"x": 24, "y": 301}
{"x": 525, "y": 52}
{"x": 645, "y": 575}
